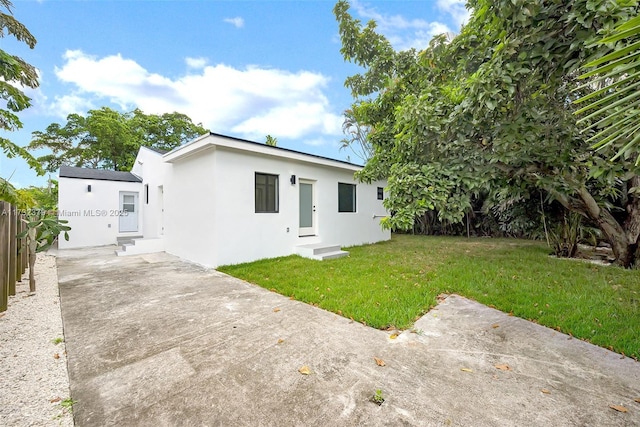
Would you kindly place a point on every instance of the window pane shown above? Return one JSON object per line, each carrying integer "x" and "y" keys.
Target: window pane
{"x": 306, "y": 205}
{"x": 266, "y": 193}
{"x": 346, "y": 197}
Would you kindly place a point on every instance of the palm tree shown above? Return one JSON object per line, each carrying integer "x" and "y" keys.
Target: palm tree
{"x": 271, "y": 141}
{"x": 615, "y": 108}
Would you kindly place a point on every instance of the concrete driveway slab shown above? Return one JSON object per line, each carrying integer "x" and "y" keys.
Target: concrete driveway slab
{"x": 156, "y": 341}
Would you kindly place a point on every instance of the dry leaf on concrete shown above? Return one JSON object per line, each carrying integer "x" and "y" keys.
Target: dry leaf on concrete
{"x": 379, "y": 362}
{"x": 393, "y": 336}
{"x": 466, "y": 369}
{"x": 56, "y": 356}
{"x": 618, "y": 408}
{"x": 280, "y": 340}
{"x": 637, "y": 400}
{"x": 275, "y": 310}
{"x": 545, "y": 391}
{"x": 495, "y": 325}
{"x": 305, "y": 370}
{"x": 503, "y": 367}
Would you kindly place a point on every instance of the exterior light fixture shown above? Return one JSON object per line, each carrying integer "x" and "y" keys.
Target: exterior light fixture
{"x": 293, "y": 180}
{"x": 89, "y": 188}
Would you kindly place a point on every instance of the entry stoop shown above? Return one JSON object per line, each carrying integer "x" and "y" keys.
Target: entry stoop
{"x": 141, "y": 246}
{"x": 321, "y": 251}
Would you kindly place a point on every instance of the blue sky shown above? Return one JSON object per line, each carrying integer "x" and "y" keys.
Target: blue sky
{"x": 241, "y": 68}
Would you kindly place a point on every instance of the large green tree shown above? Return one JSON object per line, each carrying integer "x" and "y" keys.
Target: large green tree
{"x": 490, "y": 112}
{"x": 108, "y": 139}
{"x": 15, "y": 72}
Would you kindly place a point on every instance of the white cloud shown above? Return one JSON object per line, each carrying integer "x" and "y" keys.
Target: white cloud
{"x": 386, "y": 22}
{"x": 197, "y": 63}
{"x": 237, "y": 22}
{"x": 457, "y": 10}
{"x": 252, "y": 101}
{"x": 419, "y": 39}
{"x": 278, "y": 121}
{"x": 64, "y": 105}
{"x": 403, "y": 33}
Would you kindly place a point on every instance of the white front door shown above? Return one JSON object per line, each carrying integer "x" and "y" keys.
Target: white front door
{"x": 128, "y": 211}
{"x": 307, "y": 226}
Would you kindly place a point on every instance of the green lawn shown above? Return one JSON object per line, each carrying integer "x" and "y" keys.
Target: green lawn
{"x": 391, "y": 284}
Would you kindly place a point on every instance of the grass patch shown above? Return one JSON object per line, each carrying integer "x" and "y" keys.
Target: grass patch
{"x": 392, "y": 284}
{"x": 68, "y": 403}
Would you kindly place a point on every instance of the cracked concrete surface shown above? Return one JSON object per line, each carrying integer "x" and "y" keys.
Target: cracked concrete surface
{"x": 156, "y": 341}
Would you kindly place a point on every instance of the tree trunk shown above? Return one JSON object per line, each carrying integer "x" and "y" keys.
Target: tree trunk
{"x": 631, "y": 224}
{"x": 623, "y": 248}
{"x": 32, "y": 277}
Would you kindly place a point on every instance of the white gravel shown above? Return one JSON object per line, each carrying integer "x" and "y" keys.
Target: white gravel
{"x": 34, "y": 381}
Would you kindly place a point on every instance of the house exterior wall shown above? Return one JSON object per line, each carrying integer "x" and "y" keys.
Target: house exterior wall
{"x": 152, "y": 169}
{"x": 189, "y": 209}
{"x": 201, "y": 201}
{"x": 236, "y": 233}
{"x": 93, "y": 216}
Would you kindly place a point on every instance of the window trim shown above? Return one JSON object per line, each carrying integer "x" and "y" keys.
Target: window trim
{"x": 276, "y": 186}
{"x": 354, "y": 201}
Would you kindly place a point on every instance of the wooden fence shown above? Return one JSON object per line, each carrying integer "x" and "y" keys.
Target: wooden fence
{"x": 13, "y": 252}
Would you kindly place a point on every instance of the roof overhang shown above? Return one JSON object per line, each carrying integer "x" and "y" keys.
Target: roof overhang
{"x": 213, "y": 141}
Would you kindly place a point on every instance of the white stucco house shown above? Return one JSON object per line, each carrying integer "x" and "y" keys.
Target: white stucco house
{"x": 221, "y": 200}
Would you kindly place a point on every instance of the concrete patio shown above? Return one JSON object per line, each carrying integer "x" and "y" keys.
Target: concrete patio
{"x": 156, "y": 341}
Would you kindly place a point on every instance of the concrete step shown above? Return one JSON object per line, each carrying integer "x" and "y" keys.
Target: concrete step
{"x": 142, "y": 246}
{"x": 126, "y": 239}
{"x": 332, "y": 255}
{"x": 321, "y": 251}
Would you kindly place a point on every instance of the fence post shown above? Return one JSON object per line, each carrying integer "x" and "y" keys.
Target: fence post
{"x": 13, "y": 249}
{"x": 19, "y": 260}
{"x": 25, "y": 250}
{"x": 4, "y": 253}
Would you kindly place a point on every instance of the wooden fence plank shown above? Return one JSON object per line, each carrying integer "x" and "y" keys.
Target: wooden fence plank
{"x": 13, "y": 249}
{"x": 25, "y": 250}
{"x": 20, "y": 243}
{"x": 4, "y": 254}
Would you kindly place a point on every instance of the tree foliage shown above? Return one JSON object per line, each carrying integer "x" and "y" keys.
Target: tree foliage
{"x": 15, "y": 73}
{"x": 490, "y": 113}
{"x": 108, "y": 139}
{"x": 42, "y": 198}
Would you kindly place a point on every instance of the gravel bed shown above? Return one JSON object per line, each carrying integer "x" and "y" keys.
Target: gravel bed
{"x": 34, "y": 381}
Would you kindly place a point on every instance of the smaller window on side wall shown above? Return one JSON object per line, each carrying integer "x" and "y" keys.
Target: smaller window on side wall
{"x": 346, "y": 197}
{"x": 380, "y": 193}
